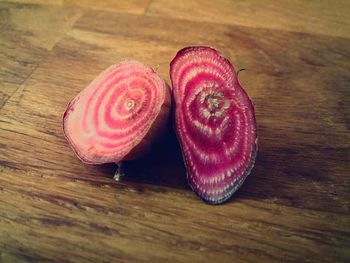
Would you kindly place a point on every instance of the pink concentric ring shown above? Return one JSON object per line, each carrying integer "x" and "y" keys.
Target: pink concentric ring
{"x": 218, "y": 142}
{"x": 114, "y": 113}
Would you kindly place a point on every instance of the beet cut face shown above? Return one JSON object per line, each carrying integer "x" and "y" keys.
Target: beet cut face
{"x": 214, "y": 121}
{"x": 118, "y": 115}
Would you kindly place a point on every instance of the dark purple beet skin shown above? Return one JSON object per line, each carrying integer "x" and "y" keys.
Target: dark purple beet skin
{"x": 214, "y": 121}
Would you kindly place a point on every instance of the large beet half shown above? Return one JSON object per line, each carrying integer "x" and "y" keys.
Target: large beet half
{"x": 214, "y": 121}
{"x": 118, "y": 115}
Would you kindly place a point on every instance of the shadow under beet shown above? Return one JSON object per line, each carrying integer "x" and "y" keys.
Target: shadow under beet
{"x": 162, "y": 165}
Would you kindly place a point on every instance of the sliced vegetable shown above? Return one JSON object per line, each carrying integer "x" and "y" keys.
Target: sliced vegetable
{"x": 214, "y": 121}
{"x": 118, "y": 115}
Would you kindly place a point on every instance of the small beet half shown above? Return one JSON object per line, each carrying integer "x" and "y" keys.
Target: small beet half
{"x": 119, "y": 115}
{"x": 214, "y": 122}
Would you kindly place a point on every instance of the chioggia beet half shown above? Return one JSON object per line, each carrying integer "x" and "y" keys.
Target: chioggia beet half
{"x": 214, "y": 122}
{"x": 118, "y": 116}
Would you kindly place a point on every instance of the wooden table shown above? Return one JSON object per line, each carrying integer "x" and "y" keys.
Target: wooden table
{"x": 295, "y": 205}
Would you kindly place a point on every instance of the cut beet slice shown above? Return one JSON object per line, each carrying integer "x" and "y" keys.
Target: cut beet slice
{"x": 118, "y": 115}
{"x": 214, "y": 121}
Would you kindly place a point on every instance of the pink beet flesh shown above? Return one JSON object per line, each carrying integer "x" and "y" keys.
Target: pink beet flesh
{"x": 214, "y": 121}
{"x": 118, "y": 115}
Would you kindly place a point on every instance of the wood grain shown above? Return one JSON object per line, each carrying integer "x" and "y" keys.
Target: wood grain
{"x": 316, "y": 17}
{"x": 28, "y": 32}
{"x": 133, "y": 7}
{"x": 293, "y": 208}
